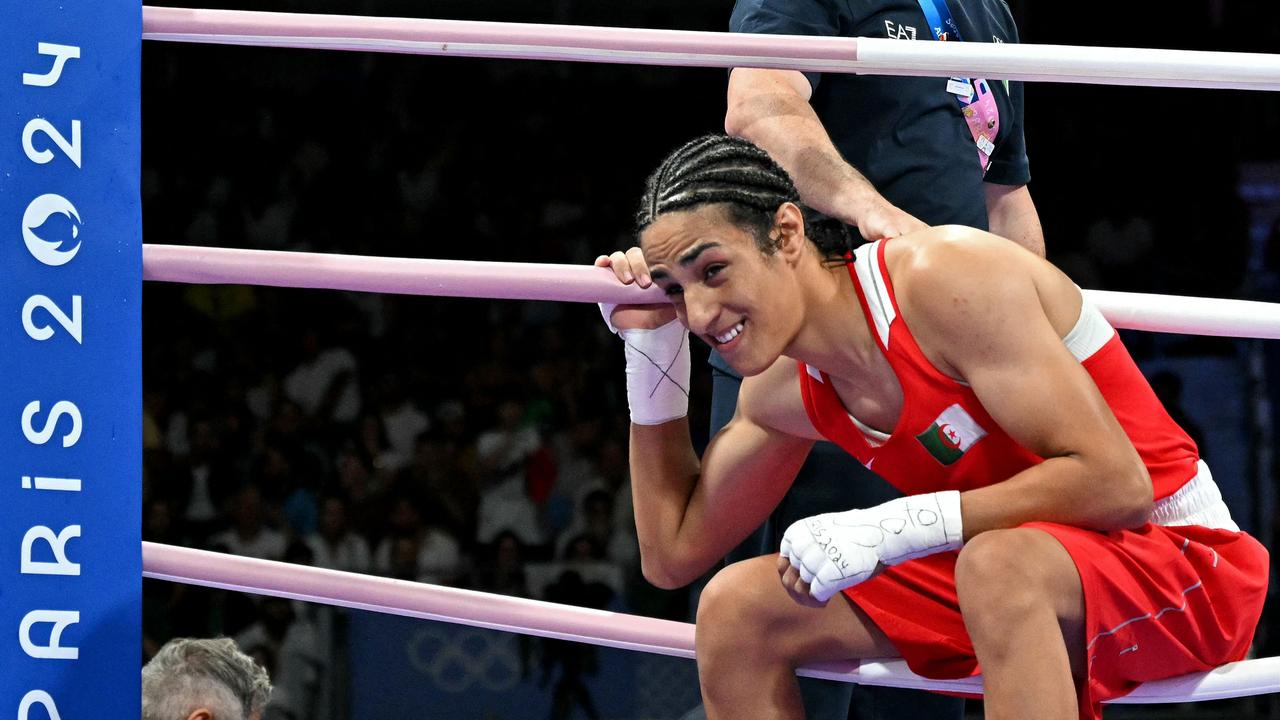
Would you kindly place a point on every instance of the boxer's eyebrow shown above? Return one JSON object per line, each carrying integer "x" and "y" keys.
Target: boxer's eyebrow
{"x": 692, "y": 254}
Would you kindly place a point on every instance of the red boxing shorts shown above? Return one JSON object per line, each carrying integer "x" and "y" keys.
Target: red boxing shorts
{"x": 1159, "y": 602}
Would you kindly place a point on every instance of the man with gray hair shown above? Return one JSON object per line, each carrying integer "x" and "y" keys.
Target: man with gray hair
{"x": 197, "y": 679}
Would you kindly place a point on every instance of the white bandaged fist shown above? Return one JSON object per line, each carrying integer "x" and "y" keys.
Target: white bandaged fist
{"x": 835, "y": 551}
{"x": 658, "y": 368}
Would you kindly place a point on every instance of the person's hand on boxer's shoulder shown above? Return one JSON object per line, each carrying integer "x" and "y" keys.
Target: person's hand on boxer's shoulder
{"x": 881, "y": 219}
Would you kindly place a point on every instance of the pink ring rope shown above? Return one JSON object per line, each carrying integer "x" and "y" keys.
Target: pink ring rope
{"x": 580, "y": 283}
{"x": 875, "y": 56}
{"x": 599, "y": 627}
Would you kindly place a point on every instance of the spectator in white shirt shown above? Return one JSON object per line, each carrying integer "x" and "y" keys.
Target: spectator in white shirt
{"x": 502, "y": 452}
{"x": 325, "y": 382}
{"x": 249, "y": 535}
{"x": 334, "y": 545}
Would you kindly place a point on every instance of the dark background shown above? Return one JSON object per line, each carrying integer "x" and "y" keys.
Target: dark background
{"x": 413, "y": 156}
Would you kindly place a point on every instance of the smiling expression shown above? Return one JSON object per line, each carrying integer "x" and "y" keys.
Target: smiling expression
{"x": 744, "y": 303}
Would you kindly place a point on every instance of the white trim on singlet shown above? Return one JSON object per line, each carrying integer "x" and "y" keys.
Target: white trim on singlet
{"x": 814, "y": 372}
{"x": 874, "y": 437}
{"x": 866, "y": 265}
{"x": 1090, "y": 332}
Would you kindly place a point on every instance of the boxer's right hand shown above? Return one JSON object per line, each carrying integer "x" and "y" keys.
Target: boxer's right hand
{"x": 656, "y": 346}
{"x": 629, "y": 267}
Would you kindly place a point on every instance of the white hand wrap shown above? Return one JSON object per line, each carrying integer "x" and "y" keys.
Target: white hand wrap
{"x": 839, "y": 550}
{"x": 657, "y": 370}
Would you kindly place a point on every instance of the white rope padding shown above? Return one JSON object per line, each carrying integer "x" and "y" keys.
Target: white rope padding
{"x": 874, "y": 56}
{"x": 599, "y": 627}
{"x": 581, "y": 283}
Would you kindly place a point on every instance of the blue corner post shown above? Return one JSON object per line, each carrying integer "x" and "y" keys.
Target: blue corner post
{"x": 70, "y": 359}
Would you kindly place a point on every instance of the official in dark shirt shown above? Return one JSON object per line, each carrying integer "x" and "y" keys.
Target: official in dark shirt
{"x": 886, "y": 155}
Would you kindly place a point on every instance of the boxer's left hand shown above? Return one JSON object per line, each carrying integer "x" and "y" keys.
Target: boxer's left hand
{"x": 831, "y": 552}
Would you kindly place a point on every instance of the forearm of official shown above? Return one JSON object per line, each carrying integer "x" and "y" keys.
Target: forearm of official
{"x": 771, "y": 109}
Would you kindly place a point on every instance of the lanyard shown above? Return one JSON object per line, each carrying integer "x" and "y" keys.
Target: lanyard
{"x": 940, "y": 21}
{"x": 977, "y": 104}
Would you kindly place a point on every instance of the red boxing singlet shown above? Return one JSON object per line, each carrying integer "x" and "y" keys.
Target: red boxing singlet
{"x": 945, "y": 440}
{"x": 1180, "y": 594}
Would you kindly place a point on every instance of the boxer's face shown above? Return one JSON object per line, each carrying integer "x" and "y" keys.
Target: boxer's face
{"x": 738, "y": 299}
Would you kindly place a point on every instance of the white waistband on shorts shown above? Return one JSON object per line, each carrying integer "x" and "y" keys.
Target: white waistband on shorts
{"x": 1199, "y": 502}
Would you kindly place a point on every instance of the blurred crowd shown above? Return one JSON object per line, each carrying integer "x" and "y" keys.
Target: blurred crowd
{"x": 342, "y": 451}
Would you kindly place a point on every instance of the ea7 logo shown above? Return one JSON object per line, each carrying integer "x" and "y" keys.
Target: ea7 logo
{"x": 899, "y": 32}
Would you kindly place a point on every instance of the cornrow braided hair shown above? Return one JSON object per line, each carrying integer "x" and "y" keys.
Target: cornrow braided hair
{"x": 718, "y": 169}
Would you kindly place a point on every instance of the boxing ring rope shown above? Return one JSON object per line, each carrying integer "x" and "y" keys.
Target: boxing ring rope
{"x": 581, "y": 283}
{"x": 577, "y": 283}
{"x": 598, "y": 627}
{"x": 874, "y": 56}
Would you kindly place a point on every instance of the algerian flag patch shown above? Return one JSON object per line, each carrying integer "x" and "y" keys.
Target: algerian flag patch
{"x": 951, "y": 435}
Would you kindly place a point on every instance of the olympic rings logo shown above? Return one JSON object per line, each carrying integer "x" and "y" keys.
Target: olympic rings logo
{"x": 458, "y": 658}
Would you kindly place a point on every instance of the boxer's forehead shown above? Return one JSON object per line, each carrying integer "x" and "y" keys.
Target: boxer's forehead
{"x": 677, "y": 239}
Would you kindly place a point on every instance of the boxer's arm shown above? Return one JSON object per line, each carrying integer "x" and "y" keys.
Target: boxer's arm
{"x": 689, "y": 514}
{"x": 982, "y": 307}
